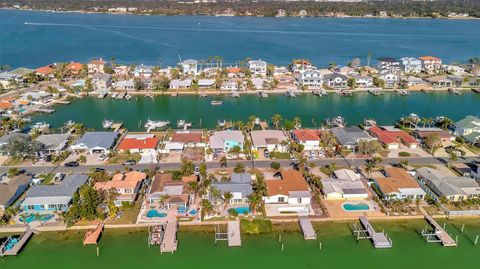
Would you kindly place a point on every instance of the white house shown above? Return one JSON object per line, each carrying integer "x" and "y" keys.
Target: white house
{"x": 388, "y": 65}
{"x": 345, "y": 186}
{"x": 239, "y": 186}
{"x": 311, "y": 78}
{"x": 144, "y": 71}
{"x": 390, "y": 79}
{"x": 431, "y": 64}
{"x": 226, "y": 140}
{"x": 290, "y": 189}
{"x": 258, "y": 67}
{"x": 411, "y": 65}
{"x": 189, "y": 67}
{"x": 180, "y": 84}
{"x": 271, "y": 140}
{"x": 363, "y": 81}
{"x": 229, "y": 85}
{"x": 310, "y": 139}
{"x": 96, "y": 142}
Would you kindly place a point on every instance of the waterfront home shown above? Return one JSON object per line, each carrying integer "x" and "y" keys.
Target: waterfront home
{"x": 345, "y": 185}
{"x": 229, "y": 85}
{"x": 286, "y": 82}
{"x": 56, "y": 197}
{"x": 398, "y": 184}
{"x": 346, "y": 71}
{"x": 96, "y": 66}
{"x": 96, "y": 142}
{"x": 469, "y": 129}
{"x": 12, "y": 188}
{"x": 224, "y": 141}
{"x": 121, "y": 71}
{"x": 74, "y": 68}
{"x": 141, "y": 143}
{"x": 258, "y": 67}
{"x": 391, "y": 137}
{"x": 349, "y": 137}
{"x": 336, "y": 81}
{"x": 291, "y": 188}
{"x": 422, "y": 133}
{"x": 271, "y": 140}
{"x": 239, "y": 185}
{"x": 454, "y": 69}
{"x": 101, "y": 82}
{"x": 143, "y": 71}
{"x": 206, "y": 83}
{"x": 33, "y": 96}
{"x": 411, "y": 65}
{"x": 462, "y": 169}
{"x": 5, "y": 139}
{"x": 183, "y": 139}
{"x": 431, "y": 64}
{"x": 310, "y": 78}
{"x": 189, "y": 67}
{"x": 390, "y": 79}
{"x": 125, "y": 85}
{"x": 10, "y": 80}
{"x": 299, "y": 65}
{"x": 164, "y": 191}
{"x": 389, "y": 65}
{"x": 234, "y": 72}
{"x": 363, "y": 81}
{"x": 259, "y": 84}
{"x": 180, "y": 84}
{"x": 127, "y": 185}
{"x": 451, "y": 187}
{"x": 45, "y": 72}
{"x": 310, "y": 139}
{"x": 280, "y": 71}
{"x": 53, "y": 143}
{"x": 414, "y": 83}
{"x": 440, "y": 81}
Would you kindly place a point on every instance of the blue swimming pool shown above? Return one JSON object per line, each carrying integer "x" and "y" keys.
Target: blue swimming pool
{"x": 355, "y": 207}
{"x": 193, "y": 212}
{"x": 242, "y": 210}
{"x": 35, "y": 217}
{"x": 155, "y": 214}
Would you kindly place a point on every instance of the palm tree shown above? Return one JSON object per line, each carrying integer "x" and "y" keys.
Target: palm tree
{"x": 403, "y": 164}
{"x": 254, "y": 201}
{"x": 163, "y": 199}
{"x": 446, "y": 123}
{"x": 195, "y": 188}
{"x": 452, "y": 158}
{"x": 227, "y": 196}
{"x": 276, "y": 119}
{"x": 297, "y": 121}
{"x": 223, "y": 162}
{"x": 239, "y": 168}
{"x": 206, "y": 208}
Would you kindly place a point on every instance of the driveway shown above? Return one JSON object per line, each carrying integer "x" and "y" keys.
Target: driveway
{"x": 148, "y": 158}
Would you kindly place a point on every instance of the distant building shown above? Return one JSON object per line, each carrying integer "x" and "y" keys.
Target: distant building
{"x": 431, "y": 64}
{"x": 96, "y": 66}
{"x": 411, "y": 65}
{"x": 388, "y": 65}
{"x": 258, "y": 67}
{"x": 189, "y": 67}
{"x": 469, "y": 129}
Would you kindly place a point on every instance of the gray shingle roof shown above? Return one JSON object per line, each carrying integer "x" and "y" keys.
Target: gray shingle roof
{"x": 98, "y": 139}
{"x": 59, "y": 193}
{"x": 350, "y": 135}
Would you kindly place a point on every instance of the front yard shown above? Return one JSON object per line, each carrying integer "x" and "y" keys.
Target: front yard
{"x": 120, "y": 158}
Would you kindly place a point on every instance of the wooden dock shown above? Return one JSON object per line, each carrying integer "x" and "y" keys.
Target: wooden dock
{"x": 307, "y": 229}
{"x": 117, "y": 126}
{"x": 439, "y": 234}
{"x": 366, "y": 231}
{"x": 169, "y": 240}
{"x": 22, "y": 240}
{"x": 91, "y": 237}
{"x": 234, "y": 237}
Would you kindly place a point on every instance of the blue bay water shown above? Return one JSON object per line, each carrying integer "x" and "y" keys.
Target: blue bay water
{"x": 32, "y": 39}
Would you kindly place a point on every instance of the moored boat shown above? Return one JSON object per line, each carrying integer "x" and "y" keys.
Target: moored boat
{"x": 216, "y": 103}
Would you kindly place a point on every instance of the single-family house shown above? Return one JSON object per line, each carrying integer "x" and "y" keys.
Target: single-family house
{"x": 391, "y": 138}
{"x": 310, "y": 139}
{"x": 440, "y": 81}
{"x": 239, "y": 185}
{"x": 224, "y": 141}
{"x": 390, "y": 79}
{"x": 101, "y": 82}
{"x": 180, "y": 84}
{"x": 469, "y": 129}
{"x": 258, "y": 67}
{"x": 345, "y": 185}
{"x": 389, "y": 65}
{"x": 310, "y": 78}
{"x": 57, "y": 197}
{"x": 430, "y": 64}
{"x": 422, "y": 133}
{"x": 229, "y": 85}
{"x": 5, "y": 139}
{"x": 259, "y": 84}
{"x": 411, "y": 65}
{"x": 363, "y": 81}
{"x": 336, "y": 81}
{"x": 176, "y": 192}
{"x": 96, "y": 142}
{"x": 206, "y": 83}
{"x": 398, "y": 184}
{"x": 53, "y": 143}
{"x": 74, "y": 68}
{"x": 291, "y": 188}
{"x": 12, "y": 188}
{"x": 127, "y": 186}
{"x": 453, "y": 188}
{"x": 183, "y": 139}
{"x": 45, "y": 71}
{"x": 143, "y": 71}
{"x": 271, "y": 140}
{"x": 141, "y": 143}
{"x": 96, "y": 66}
{"x": 349, "y": 137}
{"x": 125, "y": 85}
{"x": 189, "y": 67}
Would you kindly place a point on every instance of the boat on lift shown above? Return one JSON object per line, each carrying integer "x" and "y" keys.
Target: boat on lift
{"x": 338, "y": 121}
{"x": 40, "y": 125}
{"x": 290, "y": 93}
{"x": 401, "y": 92}
{"x": 375, "y": 92}
{"x": 107, "y": 124}
{"x": 128, "y": 97}
{"x": 454, "y": 91}
{"x": 262, "y": 94}
{"x": 69, "y": 123}
{"x": 346, "y": 93}
{"x": 183, "y": 124}
{"x": 369, "y": 122}
{"x": 152, "y": 125}
{"x": 320, "y": 92}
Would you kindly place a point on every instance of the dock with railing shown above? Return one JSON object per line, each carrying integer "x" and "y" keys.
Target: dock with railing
{"x": 12, "y": 248}
{"x": 365, "y": 231}
{"x": 439, "y": 234}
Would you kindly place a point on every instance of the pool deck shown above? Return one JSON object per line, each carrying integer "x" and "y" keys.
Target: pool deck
{"x": 234, "y": 237}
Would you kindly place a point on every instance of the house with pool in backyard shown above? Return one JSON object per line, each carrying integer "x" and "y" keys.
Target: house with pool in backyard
{"x": 168, "y": 199}
{"x": 240, "y": 186}
{"x": 42, "y": 202}
{"x": 288, "y": 194}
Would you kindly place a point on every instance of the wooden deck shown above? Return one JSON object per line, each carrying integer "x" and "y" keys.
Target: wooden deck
{"x": 169, "y": 242}
{"x": 440, "y": 233}
{"x": 379, "y": 240}
{"x": 91, "y": 237}
{"x": 22, "y": 240}
{"x": 234, "y": 237}
{"x": 307, "y": 229}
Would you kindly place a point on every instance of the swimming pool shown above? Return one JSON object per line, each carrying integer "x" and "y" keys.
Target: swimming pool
{"x": 155, "y": 214}
{"x": 355, "y": 207}
{"x": 35, "y": 217}
{"x": 242, "y": 210}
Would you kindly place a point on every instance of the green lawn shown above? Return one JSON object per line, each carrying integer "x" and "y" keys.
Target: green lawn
{"x": 129, "y": 214}
{"x": 120, "y": 158}
{"x": 47, "y": 179}
{"x": 281, "y": 155}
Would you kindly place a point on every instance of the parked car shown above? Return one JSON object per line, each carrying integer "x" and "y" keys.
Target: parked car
{"x": 72, "y": 164}
{"x": 196, "y": 171}
{"x": 102, "y": 157}
{"x": 129, "y": 162}
{"x": 98, "y": 169}
{"x": 58, "y": 177}
{"x": 266, "y": 153}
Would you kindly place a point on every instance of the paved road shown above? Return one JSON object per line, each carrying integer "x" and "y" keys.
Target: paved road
{"x": 216, "y": 164}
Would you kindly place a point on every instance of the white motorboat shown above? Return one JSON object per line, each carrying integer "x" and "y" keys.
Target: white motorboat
{"x": 107, "y": 124}
{"x": 216, "y": 103}
{"x": 40, "y": 125}
{"x": 152, "y": 125}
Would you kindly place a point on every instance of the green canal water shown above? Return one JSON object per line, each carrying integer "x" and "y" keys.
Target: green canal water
{"x": 386, "y": 109}
{"x": 128, "y": 249}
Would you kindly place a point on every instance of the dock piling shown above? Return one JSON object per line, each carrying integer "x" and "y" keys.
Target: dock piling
{"x": 463, "y": 226}
{"x": 320, "y": 246}
{"x": 476, "y": 240}
{"x": 282, "y": 247}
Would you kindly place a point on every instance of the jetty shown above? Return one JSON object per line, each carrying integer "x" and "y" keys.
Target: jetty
{"x": 91, "y": 237}
{"x": 117, "y": 126}
{"x": 366, "y": 231}
{"x": 169, "y": 240}
{"x": 439, "y": 234}
{"x": 235, "y": 94}
{"x": 233, "y": 230}
{"x": 307, "y": 229}
{"x": 13, "y": 245}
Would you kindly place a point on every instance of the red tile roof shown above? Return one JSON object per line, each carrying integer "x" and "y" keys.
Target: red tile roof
{"x": 429, "y": 58}
{"x": 138, "y": 143}
{"x": 195, "y": 137}
{"x": 234, "y": 70}
{"x": 388, "y": 137}
{"x": 307, "y": 135}
{"x": 291, "y": 181}
{"x": 5, "y": 105}
{"x": 45, "y": 70}
{"x": 97, "y": 61}
{"x": 76, "y": 67}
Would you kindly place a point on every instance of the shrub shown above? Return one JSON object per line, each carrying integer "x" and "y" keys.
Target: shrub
{"x": 275, "y": 165}
{"x": 232, "y": 212}
{"x": 404, "y": 154}
{"x": 257, "y": 226}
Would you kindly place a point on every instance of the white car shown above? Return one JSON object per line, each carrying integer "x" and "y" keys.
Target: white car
{"x": 102, "y": 157}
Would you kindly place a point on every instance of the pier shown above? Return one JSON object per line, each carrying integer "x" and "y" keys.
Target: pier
{"x": 307, "y": 229}
{"x": 13, "y": 245}
{"x": 439, "y": 234}
{"x": 91, "y": 237}
{"x": 366, "y": 231}
{"x": 117, "y": 126}
{"x": 233, "y": 230}
{"x": 169, "y": 240}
